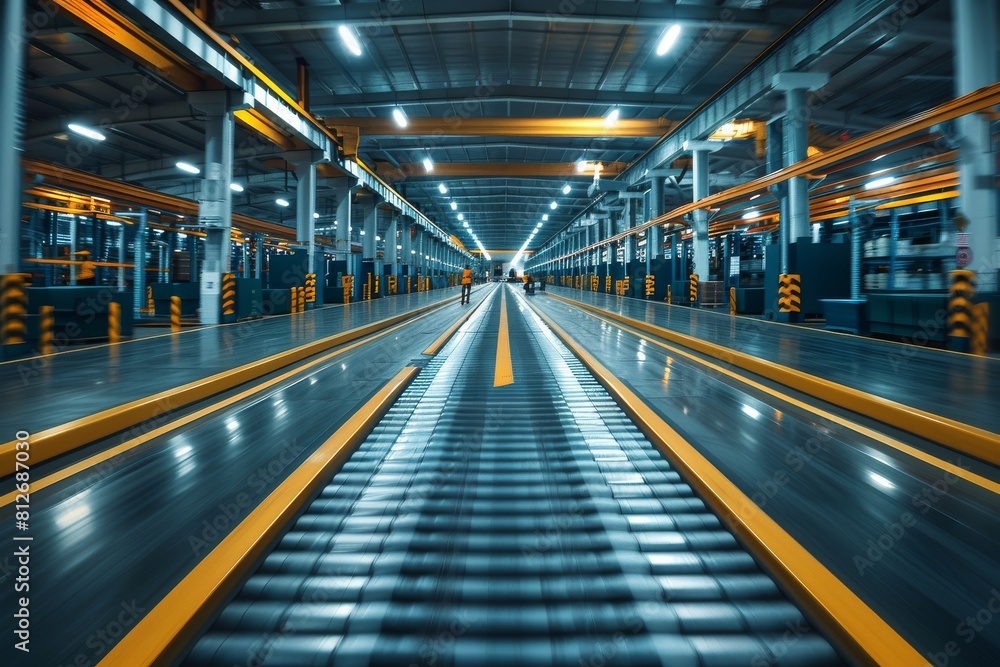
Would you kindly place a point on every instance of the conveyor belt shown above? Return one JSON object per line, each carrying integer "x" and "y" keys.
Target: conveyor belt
{"x": 957, "y": 386}
{"x": 530, "y": 524}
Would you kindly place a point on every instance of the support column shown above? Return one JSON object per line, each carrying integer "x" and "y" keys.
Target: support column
{"x": 654, "y": 234}
{"x": 975, "y": 34}
{"x": 368, "y": 243}
{"x": 305, "y": 207}
{"x": 796, "y": 143}
{"x": 699, "y": 227}
{"x": 215, "y": 204}
{"x": 343, "y": 221}
{"x": 11, "y": 133}
{"x": 139, "y": 263}
{"x": 391, "y": 256}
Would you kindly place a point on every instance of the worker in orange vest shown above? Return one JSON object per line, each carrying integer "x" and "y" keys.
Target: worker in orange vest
{"x": 466, "y": 284}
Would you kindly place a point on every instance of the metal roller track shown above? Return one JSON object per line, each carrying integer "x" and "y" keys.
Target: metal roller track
{"x": 531, "y": 524}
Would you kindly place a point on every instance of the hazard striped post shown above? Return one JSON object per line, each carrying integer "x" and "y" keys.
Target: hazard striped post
{"x": 732, "y": 301}
{"x": 377, "y": 285}
{"x": 175, "y": 314}
{"x": 311, "y": 288}
{"x": 960, "y": 310}
{"x": 979, "y": 343}
{"x": 348, "y": 282}
{"x": 670, "y": 295}
{"x": 301, "y": 292}
{"x": 114, "y": 322}
{"x": 693, "y": 288}
{"x": 150, "y": 304}
{"x": 13, "y": 309}
{"x": 46, "y": 323}
{"x": 789, "y": 293}
{"x": 650, "y": 286}
{"x": 228, "y": 297}
{"x": 409, "y": 284}
{"x": 626, "y": 285}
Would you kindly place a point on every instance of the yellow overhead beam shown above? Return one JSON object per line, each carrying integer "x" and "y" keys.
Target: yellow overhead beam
{"x": 507, "y": 127}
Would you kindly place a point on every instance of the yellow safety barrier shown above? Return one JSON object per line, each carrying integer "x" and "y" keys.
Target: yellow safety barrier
{"x": 670, "y": 295}
{"x": 46, "y": 323}
{"x": 618, "y": 288}
{"x": 960, "y": 306}
{"x": 732, "y": 300}
{"x": 150, "y": 304}
{"x": 377, "y": 290}
{"x": 789, "y": 293}
{"x": 391, "y": 284}
{"x": 228, "y": 295}
{"x": 310, "y": 288}
{"x": 979, "y": 344}
{"x": 626, "y": 285}
{"x": 293, "y": 300}
{"x": 428, "y": 285}
{"x": 348, "y": 282}
{"x": 595, "y": 282}
{"x": 409, "y": 280}
{"x": 13, "y": 309}
{"x": 650, "y": 285}
{"x": 301, "y": 293}
{"x": 114, "y": 322}
{"x": 607, "y": 284}
{"x": 693, "y": 288}
{"x": 175, "y": 314}
{"x": 367, "y": 289}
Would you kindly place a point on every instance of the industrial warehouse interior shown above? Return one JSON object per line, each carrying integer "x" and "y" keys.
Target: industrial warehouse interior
{"x": 573, "y": 333}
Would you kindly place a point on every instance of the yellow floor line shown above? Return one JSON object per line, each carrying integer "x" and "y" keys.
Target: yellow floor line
{"x": 63, "y": 438}
{"x": 97, "y": 459}
{"x": 893, "y": 443}
{"x": 167, "y": 629}
{"x": 862, "y": 633}
{"x": 503, "y": 374}
{"x": 964, "y": 438}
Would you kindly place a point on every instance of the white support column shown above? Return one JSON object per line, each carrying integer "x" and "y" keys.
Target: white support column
{"x": 370, "y": 227}
{"x": 11, "y": 133}
{"x": 305, "y": 207}
{"x": 654, "y": 235}
{"x": 700, "y": 173}
{"x": 975, "y": 35}
{"x": 796, "y": 144}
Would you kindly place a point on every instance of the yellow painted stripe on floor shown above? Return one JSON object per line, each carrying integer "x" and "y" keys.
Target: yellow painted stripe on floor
{"x": 964, "y": 438}
{"x": 503, "y": 374}
{"x": 436, "y": 346}
{"x": 862, "y": 633}
{"x": 108, "y": 454}
{"x": 63, "y": 438}
{"x": 167, "y": 629}
{"x": 893, "y": 443}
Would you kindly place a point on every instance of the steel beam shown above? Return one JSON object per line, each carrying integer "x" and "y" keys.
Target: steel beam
{"x": 506, "y": 127}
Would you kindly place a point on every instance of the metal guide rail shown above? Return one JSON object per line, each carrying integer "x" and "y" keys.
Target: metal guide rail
{"x": 524, "y": 524}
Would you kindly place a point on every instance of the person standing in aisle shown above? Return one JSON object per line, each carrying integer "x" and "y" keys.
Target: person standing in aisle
{"x": 466, "y": 284}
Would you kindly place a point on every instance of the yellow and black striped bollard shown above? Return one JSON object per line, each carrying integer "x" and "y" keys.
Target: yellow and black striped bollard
{"x": 961, "y": 310}
{"x": 693, "y": 288}
{"x": 789, "y": 293}
{"x": 175, "y": 314}
{"x": 13, "y": 309}
{"x": 46, "y": 323}
{"x": 626, "y": 284}
{"x": 607, "y": 284}
{"x": 732, "y": 301}
{"x": 650, "y": 287}
{"x": 150, "y": 304}
{"x": 979, "y": 344}
{"x": 348, "y": 282}
{"x": 377, "y": 286}
{"x": 409, "y": 284}
{"x": 311, "y": 288}
{"x": 228, "y": 297}
{"x": 670, "y": 295}
{"x": 428, "y": 286}
{"x": 114, "y": 322}
{"x": 302, "y": 299}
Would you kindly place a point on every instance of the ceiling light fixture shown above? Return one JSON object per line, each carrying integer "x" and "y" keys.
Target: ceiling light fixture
{"x": 567, "y": 189}
{"x": 236, "y": 187}
{"x": 84, "y": 131}
{"x": 553, "y": 206}
{"x": 545, "y": 218}
{"x": 189, "y": 168}
{"x": 399, "y": 116}
{"x": 428, "y": 165}
{"x": 350, "y": 39}
{"x": 750, "y": 215}
{"x": 461, "y": 216}
{"x": 442, "y": 189}
{"x": 879, "y": 182}
{"x": 612, "y": 117}
{"x": 669, "y": 39}
{"x": 454, "y": 206}
{"x": 281, "y": 202}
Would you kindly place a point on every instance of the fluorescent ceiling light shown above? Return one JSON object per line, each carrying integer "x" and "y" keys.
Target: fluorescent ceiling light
{"x": 399, "y": 247}
{"x": 669, "y": 39}
{"x": 750, "y": 215}
{"x": 612, "y": 117}
{"x": 413, "y": 252}
{"x": 454, "y": 206}
{"x": 428, "y": 165}
{"x": 112, "y": 223}
{"x": 281, "y": 202}
{"x": 316, "y": 216}
{"x": 545, "y": 217}
{"x": 399, "y": 116}
{"x": 84, "y": 131}
{"x": 236, "y": 187}
{"x": 378, "y": 238}
{"x": 350, "y": 39}
{"x": 466, "y": 224}
{"x": 181, "y": 235}
{"x": 879, "y": 182}
{"x": 581, "y": 165}
{"x": 362, "y": 232}
{"x": 442, "y": 189}
{"x": 754, "y": 197}
{"x": 461, "y": 216}
{"x": 553, "y": 206}
{"x": 567, "y": 189}
{"x": 189, "y": 168}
